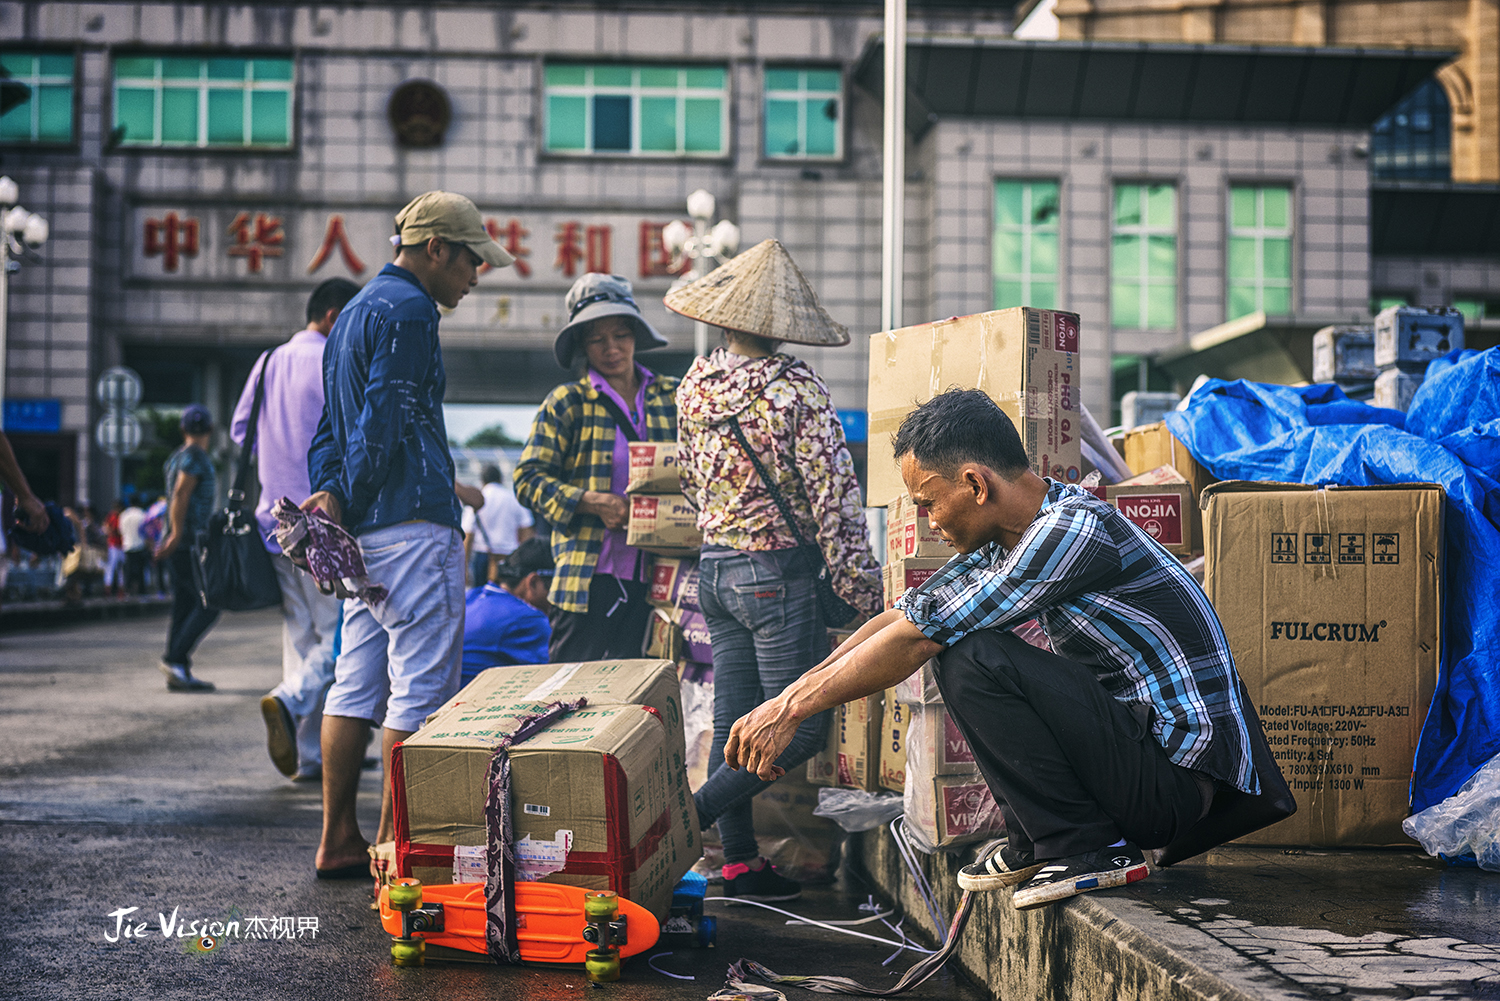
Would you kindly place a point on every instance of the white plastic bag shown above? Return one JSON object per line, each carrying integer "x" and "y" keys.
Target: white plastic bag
{"x": 856, "y": 810}
{"x": 1466, "y": 823}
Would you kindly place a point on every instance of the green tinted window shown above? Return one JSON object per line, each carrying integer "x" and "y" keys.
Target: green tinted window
{"x": 46, "y": 115}
{"x": 218, "y": 101}
{"x": 1024, "y": 263}
{"x": 1259, "y": 262}
{"x": 803, "y": 113}
{"x": 635, "y": 110}
{"x": 1143, "y": 257}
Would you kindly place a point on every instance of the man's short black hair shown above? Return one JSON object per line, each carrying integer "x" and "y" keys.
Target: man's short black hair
{"x": 532, "y": 556}
{"x": 335, "y": 293}
{"x": 490, "y": 473}
{"x": 961, "y": 425}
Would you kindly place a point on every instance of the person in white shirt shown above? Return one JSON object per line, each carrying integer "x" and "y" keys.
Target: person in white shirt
{"x": 496, "y": 529}
{"x": 134, "y": 544}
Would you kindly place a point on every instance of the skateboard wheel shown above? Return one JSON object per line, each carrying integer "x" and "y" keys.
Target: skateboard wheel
{"x": 708, "y": 932}
{"x": 602, "y": 966}
{"x": 600, "y": 905}
{"x": 408, "y": 951}
{"x": 405, "y": 894}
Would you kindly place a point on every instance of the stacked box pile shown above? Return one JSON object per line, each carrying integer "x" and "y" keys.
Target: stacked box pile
{"x": 1026, "y": 359}
{"x": 1346, "y": 356}
{"x": 1407, "y": 339}
{"x": 661, "y": 519}
{"x": 913, "y": 550}
{"x": 600, "y": 798}
{"x": 678, "y": 629}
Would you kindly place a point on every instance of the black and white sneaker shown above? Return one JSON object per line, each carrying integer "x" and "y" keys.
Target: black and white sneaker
{"x": 1096, "y": 870}
{"x": 764, "y": 884}
{"x": 997, "y": 865}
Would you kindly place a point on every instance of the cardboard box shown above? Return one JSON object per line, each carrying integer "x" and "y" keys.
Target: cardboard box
{"x": 1330, "y": 601}
{"x": 664, "y": 524}
{"x": 934, "y": 744}
{"x": 1153, "y": 446}
{"x": 920, "y": 687}
{"x": 598, "y": 799}
{"x": 674, "y": 582}
{"x": 1410, "y": 337}
{"x": 947, "y": 810}
{"x": 653, "y": 468}
{"x": 899, "y": 576}
{"x": 665, "y": 640}
{"x": 851, "y": 757}
{"x": 893, "y": 718}
{"x": 1026, "y": 359}
{"x": 1163, "y": 504}
{"x": 908, "y": 534}
{"x": 698, "y": 644}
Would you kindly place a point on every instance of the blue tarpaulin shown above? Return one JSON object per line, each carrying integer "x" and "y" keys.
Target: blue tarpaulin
{"x": 1451, "y": 436}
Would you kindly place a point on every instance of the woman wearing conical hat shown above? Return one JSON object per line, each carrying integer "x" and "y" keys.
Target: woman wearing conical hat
{"x": 759, "y": 573}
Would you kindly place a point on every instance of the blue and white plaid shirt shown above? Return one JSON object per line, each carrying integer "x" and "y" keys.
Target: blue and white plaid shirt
{"x": 1110, "y": 598}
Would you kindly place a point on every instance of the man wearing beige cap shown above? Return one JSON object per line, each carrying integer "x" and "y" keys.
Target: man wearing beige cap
{"x": 379, "y": 465}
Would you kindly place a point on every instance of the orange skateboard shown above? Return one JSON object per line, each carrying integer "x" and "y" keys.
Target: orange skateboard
{"x": 555, "y": 923}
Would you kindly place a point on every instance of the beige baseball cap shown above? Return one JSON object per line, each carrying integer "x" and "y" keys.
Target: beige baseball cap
{"x": 451, "y": 217}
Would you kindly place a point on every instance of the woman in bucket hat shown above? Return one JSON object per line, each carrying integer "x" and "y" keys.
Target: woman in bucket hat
{"x": 576, "y": 463}
{"x": 757, "y": 582}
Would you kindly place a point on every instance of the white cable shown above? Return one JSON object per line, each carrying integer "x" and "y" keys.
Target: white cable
{"x": 819, "y": 924}
{"x": 844, "y": 924}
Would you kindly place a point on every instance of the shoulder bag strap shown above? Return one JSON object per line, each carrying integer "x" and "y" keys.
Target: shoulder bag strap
{"x": 621, "y": 421}
{"x": 252, "y": 428}
{"x": 781, "y": 504}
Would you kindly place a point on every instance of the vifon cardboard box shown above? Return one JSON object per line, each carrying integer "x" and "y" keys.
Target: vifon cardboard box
{"x": 653, "y": 468}
{"x": 597, "y": 799}
{"x": 1162, "y": 503}
{"x": 898, "y": 576}
{"x": 674, "y": 583}
{"x": 908, "y": 534}
{"x": 933, "y": 741}
{"x": 1330, "y": 600}
{"x": 951, "y": 810}
{"x": 851, "y": 758}
{"x": 1026, "y": 359}
{"x": 664, "y": 524}
{"x": 893, "y": 742}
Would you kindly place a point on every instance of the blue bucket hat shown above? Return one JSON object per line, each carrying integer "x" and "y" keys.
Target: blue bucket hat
{"x": 593, "y": 297}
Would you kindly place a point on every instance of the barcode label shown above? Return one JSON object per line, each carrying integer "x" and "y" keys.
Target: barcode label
{"x": 537, "y": 811}
{"x": 1033, "y": 327}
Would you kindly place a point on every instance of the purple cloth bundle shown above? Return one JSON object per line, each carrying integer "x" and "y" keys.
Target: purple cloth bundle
{"x": 317, "y": 544}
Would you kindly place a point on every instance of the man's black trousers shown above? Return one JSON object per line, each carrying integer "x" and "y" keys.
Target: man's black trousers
{"x": 1072, "y": 769}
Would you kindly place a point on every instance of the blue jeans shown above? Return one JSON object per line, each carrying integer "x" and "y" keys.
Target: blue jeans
{"x": 767, "y": 632}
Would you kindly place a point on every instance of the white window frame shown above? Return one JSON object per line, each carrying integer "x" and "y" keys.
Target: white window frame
{"x": 202, "y": 85}
{"x": 35, "y": 81}
{"x": 635, "y": 91}
{"x": 1026, "y": 229}
{"x": 801, "y": 96}
{"x": 1144, "y": 231}
{"x": 1260, "y": 233}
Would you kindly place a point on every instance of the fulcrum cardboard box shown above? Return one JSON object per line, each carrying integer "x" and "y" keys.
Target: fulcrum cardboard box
{"x": 595, "y": 800}
{"x": 1027, "y": 360}
{"x": 1330, "y": 599}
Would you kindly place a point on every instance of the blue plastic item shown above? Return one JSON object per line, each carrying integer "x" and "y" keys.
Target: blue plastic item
{"x": 1251, "y": 431}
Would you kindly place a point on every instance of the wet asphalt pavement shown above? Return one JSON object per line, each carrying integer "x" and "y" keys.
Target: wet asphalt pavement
{"x": 115, "y": 793}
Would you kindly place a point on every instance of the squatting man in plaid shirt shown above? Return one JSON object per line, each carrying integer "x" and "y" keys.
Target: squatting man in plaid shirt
{"x": 1114, "y": 744}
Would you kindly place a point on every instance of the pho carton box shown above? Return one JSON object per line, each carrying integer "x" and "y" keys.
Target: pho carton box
{"x": 653, "y": 468}
{"x": 893, "y": 742}
{"x": 664, "y": 524}
{"x": 908, "y": 534}
{"x": 851, "y": 757}
{"x": 901, "y": 575}
{"x": 1330, "y": 599}
{"x": 1162, "y": 503}
{"x": 1026, "y": 359}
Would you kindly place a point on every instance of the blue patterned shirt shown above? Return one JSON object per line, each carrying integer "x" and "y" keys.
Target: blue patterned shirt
{"x": 1112, "y": 599}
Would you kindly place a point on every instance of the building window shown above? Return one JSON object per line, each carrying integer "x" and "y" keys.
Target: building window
{"x": 47, "y": 115}
{"x": 637, "y": 110}
{"x": 217, "y": 102}
{"x": 1025, "y": 251}
{"x": 1260, "y": 250}
{"x": 1385, "y": 300}
{"x": 1478, "y": 307}
{"x": 1413, "y": 141}
{"x": 804, "y": 108}
{"x": 1143, "y": 259}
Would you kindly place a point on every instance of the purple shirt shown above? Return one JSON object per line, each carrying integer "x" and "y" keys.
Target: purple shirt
{"x": 616, "y": 558}
{"x": 288, "y": 419}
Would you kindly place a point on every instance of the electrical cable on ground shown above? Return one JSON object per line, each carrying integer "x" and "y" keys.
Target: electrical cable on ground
{"x": 818, "y": 924}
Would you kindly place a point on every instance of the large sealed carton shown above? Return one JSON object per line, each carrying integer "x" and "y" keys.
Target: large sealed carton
{"x": 1026, "y": 359}
{"x": 664, "y": 524}
{"x": 653, "y": 468}
{"x": 948, "y": 810}
{"x": 597, "y": 800}
{"x": 1330, "y": 600}
{"x": 851, "y": 757}
{"x": 1163, "y": 504}
{"x": 674, "y": 583}
{"x": 1154, "y": 446}
{"x": 893, "y": 742}
{"x": 908, "y": 533}
{"x": 934, "y": 741}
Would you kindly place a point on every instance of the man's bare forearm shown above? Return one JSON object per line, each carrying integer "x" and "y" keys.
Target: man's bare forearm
{"x": 894, "y": 649}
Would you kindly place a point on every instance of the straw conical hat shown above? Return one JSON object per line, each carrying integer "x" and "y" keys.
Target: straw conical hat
{"x": 760, "y": 292}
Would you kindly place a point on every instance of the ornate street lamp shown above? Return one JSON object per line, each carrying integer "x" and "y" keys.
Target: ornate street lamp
{"x": 19, "y": 229}
{"x": 704, "y": 246}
